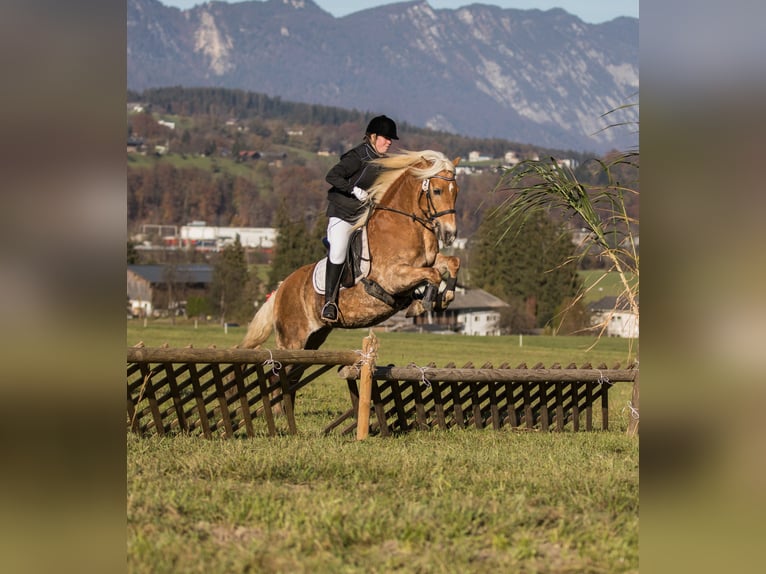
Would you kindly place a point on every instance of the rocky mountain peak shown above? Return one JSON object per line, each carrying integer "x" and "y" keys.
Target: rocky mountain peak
{"x": 543, "y": 77}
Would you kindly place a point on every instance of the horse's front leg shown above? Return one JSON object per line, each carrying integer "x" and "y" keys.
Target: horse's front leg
{"x": 448, "y": 267}
{"x": 402, "y": 278}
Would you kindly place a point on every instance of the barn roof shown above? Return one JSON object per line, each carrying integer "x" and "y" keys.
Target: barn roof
{"x": 475, "y": 299}
{"x": 611, "y": 303}
{"x": 195, "y": 273}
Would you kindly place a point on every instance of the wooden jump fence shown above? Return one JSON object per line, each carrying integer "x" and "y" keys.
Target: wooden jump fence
{"x": 232, "y": 392}
{"x": 226, "y": 391}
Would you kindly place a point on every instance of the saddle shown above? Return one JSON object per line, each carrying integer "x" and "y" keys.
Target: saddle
{"x": 356, "y": 267}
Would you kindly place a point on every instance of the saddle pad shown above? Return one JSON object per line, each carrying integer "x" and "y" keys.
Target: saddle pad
{"x": 361, "y": 264}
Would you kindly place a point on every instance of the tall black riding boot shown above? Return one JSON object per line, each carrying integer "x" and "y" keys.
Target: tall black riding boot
{"x": 331, "y": 288}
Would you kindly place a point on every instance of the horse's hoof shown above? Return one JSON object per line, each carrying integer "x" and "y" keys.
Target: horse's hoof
{"x": 415, "y": 309}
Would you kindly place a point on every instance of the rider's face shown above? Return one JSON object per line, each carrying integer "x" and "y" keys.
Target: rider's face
{"x": 381, "y": 144}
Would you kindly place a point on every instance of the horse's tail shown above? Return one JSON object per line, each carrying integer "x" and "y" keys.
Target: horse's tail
{"x": 261, "y": 326}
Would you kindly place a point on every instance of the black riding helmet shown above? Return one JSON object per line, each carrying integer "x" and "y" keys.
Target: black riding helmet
{"x": 383, "y": 126}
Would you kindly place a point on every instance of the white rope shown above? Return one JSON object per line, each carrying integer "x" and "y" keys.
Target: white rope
{"x": 423, "y": 378}
{"x": 633, "y": 410}
{"x": 364, "y": 358}
{"x": 602, "y": 379}
{"x": 270, "y": 362}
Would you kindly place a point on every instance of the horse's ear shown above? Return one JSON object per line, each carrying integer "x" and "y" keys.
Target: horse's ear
{"x": 456, "y": 161}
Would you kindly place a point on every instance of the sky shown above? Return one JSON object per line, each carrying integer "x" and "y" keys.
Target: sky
{"x": 591, "y": 11}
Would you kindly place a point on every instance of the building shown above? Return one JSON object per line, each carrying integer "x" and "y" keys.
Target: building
{"x": 154, "y": 290}
{"x": 200, "y": 235}
{"x": 474, "y": 156}
{"x": 567, "y": 162}
{"x": 615, "y": 312}
{"x": 135, "y": 144}
{"x": 472, "y": 312}
{"x": 511, "y": 158}
{"x": 248, "y": 154}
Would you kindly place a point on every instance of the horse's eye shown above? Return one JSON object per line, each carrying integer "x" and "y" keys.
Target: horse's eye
{"x": 437, "y": 191}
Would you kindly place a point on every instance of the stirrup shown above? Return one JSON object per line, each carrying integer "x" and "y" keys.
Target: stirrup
{"x": 330, "y": 312}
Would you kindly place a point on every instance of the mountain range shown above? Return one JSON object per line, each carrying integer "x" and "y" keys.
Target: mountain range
{"x": 540, "y": 77}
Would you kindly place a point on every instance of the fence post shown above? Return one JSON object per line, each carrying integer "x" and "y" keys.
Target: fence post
{"x": 369, "y": 351}
{"x": 633, "y": 423}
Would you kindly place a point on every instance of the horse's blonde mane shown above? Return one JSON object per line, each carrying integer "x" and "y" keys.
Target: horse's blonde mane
{"x": 394, "y": 165}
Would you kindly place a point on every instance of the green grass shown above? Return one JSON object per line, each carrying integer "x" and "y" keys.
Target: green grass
{"x": 610, "y": 285}
{"x": 188, "y": 161}
{"x": 438, "y": 501}
{"x": 224, "y": 165}
{"x": 403, "y": 348}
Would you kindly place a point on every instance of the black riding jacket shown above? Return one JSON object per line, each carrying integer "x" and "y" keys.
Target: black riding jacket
{"x": 353, "y": 170}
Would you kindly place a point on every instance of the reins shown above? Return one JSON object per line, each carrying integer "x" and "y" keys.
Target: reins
{"x": 432, "y": 215}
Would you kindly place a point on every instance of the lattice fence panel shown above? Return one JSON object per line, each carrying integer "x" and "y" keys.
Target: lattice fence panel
{"x": 220, "y": 392}
{"x": 207, "y": 399}
{"x": 414, "y": 398}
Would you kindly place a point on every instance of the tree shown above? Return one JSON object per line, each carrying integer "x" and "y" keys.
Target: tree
{"x": 297, "y": 245}
{"x": 230, "y": 279}
{"x": 133, "y": 257}
{"x": 197, "y": 306}
{"x": 546, "y": 186}
{"x": 524, "y": 268}
{"x": 517, "y": 317}
{"x": 252, "y": 295}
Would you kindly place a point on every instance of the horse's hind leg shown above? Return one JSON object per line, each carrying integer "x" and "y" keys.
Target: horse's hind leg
{"x": 415, "y": 309}
{"x": 295, "y": 328}
{"x": 317, "y": 338}
{"x": 293, "y": 374}
{"x": 429, "y": 297}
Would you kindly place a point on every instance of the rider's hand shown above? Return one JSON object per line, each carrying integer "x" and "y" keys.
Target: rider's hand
{"x": 360, "y": 194}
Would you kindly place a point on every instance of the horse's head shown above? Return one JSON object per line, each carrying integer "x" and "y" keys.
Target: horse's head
{"x": 430, "y": 177}
{"x": 439, "y": 195}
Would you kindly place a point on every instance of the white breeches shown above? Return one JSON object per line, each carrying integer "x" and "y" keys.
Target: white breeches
{"x": 338, "y": 234}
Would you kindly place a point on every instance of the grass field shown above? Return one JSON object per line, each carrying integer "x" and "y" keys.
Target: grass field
{"x": 439, "y": 501}
{"x": 605, "y": 284}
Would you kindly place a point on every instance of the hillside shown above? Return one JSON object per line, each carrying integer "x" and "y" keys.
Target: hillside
{"x": 230, "y": 157}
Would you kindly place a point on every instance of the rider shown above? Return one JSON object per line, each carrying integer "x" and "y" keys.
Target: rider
{"x": 350, "y": 178}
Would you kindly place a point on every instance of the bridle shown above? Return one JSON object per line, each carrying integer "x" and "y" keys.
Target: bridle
{"x": 431, "y": 215}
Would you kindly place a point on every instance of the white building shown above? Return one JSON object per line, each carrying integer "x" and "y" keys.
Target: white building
{"x": 473, "y": 312}
{"x": 197, "y": 233}
{"x": 615, "y": 312}
{"x": 476, "y": 156}
{"x": 566, "y": 162}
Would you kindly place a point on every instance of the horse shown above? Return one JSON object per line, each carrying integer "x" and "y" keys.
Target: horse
{"x": 411, "y": 208}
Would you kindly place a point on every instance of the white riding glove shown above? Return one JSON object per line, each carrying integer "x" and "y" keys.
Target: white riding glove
{"x": 360, "y": 194}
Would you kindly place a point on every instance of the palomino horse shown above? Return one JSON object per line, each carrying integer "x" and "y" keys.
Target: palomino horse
{"x": 412, "y": 207}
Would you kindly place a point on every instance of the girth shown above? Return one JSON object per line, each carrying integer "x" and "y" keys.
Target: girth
{"x": 374, "y": 289}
